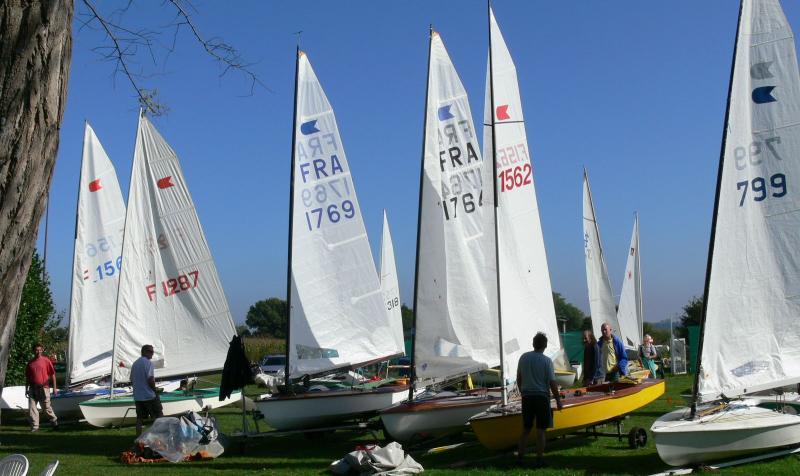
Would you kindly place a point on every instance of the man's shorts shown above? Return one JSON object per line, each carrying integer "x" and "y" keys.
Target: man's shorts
{"x": 149, "y": 409}
{"x": 536, "y": 407}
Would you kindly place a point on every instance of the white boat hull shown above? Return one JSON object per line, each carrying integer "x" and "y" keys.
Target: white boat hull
{"x": 64, "y": 403}
{"x": 742, "y": 428}
{"x": 434, "y": 417}
{"x": 124, "y": 413}
{"x": 319, "y": 409}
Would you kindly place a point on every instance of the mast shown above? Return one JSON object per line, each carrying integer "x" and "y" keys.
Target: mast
{"x": 122, "y": 252}
{"x": 696, "y": 384}
{"x": 495, "y": 194}
{"x": 412, "y": 373}
{"x": 640, "y": 294}
{"x": 291, "y": 222}
{"x": 74, "y": 240}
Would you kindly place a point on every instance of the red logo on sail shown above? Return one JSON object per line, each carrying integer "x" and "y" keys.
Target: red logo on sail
{"x": 502, "y": 112}
{"x": 165, "y": 182}
{"x": 94, "y": 185}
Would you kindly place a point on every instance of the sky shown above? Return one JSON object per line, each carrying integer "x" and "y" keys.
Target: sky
{"x": 633, "y": 91}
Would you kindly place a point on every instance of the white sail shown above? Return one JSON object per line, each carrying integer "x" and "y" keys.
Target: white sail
{"x": 601, "y": 299}
{"x": 629, "y": 313}
{"x": 390, "y": 286}
{"x": 337, "y": 315}
{"x": 525, "y": 292}
{"x": 751, "y": 336}
{"x": 456, "y": 320}
{"x": 96, "y": 262}
{"x": 170, "y": 295}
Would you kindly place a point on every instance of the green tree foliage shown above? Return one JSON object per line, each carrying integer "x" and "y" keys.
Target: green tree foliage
{"x": 564, "y": 310}
{"x": 660, "y": 336}
{"x": 35, "y": 309}
{"x": 269, "y": 317}
{"x": 55, "y": 337}
{"x": 690, "y": 316}
{"x": 408, "y": 319}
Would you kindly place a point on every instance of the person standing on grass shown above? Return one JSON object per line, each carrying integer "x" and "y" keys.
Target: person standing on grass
{"x": 612, "y": 354}
{"x": 536, "y": 379}
{"x": 39, "y": 373}
{"x": 148, "y": 404}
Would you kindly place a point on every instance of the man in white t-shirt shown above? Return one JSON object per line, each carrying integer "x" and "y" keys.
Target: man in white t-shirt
{"x": 148, "y": 405}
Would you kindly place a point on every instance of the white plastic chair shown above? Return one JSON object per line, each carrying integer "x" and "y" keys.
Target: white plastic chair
{"x": 14, "y": 465}
{"x": 50, "y": 469}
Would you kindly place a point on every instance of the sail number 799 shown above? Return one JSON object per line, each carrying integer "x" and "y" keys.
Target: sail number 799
{"x": 776, "y": 187}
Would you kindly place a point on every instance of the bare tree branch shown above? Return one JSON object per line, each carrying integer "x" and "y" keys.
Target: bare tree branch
{"x": 127, "y": 44}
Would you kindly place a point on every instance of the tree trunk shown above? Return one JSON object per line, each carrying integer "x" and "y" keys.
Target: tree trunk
{"x": 35, "y": 54}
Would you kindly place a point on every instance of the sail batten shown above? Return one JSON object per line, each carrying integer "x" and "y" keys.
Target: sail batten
{"x": 337, "y": 318}
{"x": 750, "y": 337}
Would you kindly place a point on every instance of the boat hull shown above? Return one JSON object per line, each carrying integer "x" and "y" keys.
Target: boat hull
{"x": 64, "y": 403}
{"x": 104, "y": 412}
{"x": 565, "y": 378}
{"x": 741, "y": 428}
{"x": 434, "y": 417}
{"x": 500, "y": 430}
{"x": 318, "y": 409}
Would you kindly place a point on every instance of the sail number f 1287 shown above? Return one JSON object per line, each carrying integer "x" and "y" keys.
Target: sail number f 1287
{"x": 172, "y": 286}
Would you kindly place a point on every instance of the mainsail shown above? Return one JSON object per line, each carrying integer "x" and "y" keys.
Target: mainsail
{"x": 601, "y": 299}
{"x": 630, "y": 311}
{"x": 170, "y": 295}
{"x": 751, "y": 340}
{"x": 337, "y": 314}
{"x": 525, "y": 292}
{"x": 456, "y": 329}
{"x": 96, "y": 263}
{"x": 389, "y": 284}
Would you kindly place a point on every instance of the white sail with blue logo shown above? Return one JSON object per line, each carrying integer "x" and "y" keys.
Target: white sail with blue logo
{"x": 630, "y": 313}
{"x": 751, "y": 333}
{"x": 389, "y": 284}
{"x": 750, "y": 338}
{"x": 601, "y": 299}
{"x": 525, "y": 292}
{"x": 97, "y": 259}
{"x": 337, "y": 316}
{"x": 456, "y": 329}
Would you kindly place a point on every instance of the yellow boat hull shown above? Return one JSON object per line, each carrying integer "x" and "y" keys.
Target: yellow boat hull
{"x": 500, "y": 431}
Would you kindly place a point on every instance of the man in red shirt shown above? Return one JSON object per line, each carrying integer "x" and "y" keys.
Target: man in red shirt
{"x": 38, "y": 375}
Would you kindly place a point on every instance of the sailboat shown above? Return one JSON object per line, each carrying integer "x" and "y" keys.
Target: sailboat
{"x": 601, "y": 299}
{"x": 169, "y": 294}
{"x": 455, "y": 317}
{"x": 99, "y": 225}
{"x": 630, "y": 313}
{"x": 338, "y": 319}
{"x": 524, "y": 281}
{"x": 749, "y": 337}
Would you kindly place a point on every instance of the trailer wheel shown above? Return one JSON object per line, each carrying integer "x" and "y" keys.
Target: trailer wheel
{"x": 637, "y": 437}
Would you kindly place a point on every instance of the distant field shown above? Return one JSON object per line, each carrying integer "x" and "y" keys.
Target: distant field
{"x": 258, "y": 347}
{"x": 85, "y": 451}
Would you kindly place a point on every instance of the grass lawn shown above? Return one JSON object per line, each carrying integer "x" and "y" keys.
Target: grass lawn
{"x": 85, "y": 450}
